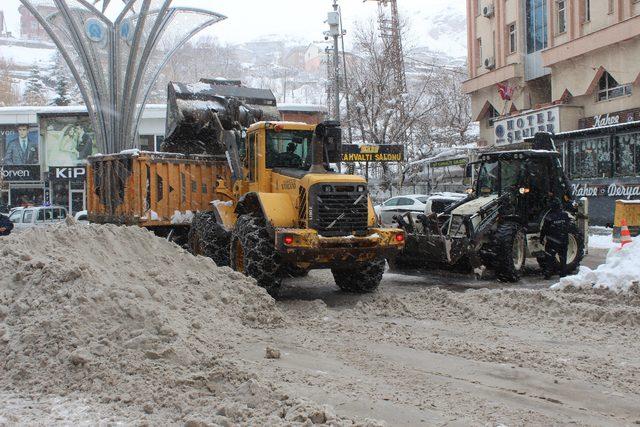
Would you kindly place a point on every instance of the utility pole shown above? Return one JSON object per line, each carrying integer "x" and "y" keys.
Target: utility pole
{"x": 333, "y": 19}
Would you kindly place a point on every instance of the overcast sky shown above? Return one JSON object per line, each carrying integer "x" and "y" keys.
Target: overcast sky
{"x": 300, "y": 19}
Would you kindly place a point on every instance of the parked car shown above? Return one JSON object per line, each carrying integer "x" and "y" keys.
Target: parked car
{"x": 400, "y": 205}
{"x": 37, "y": 216}
{"x": 82, "y": 217}
{"x": 438, "y": 202}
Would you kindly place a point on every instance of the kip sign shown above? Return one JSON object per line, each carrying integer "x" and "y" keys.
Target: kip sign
{"x": 67, "y": 173}
{"x": 513, "y": 130}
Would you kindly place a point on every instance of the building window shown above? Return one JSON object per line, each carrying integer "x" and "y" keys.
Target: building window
{"x": 562, "y": 16}
{"x": 536, "y": 14}
{"x": 587, "y": 10}
{"x": 627, "y": 154}
{"x": 590, "y": 158}
{"x": 492, "y": 115}
{"x": 609, "y": 88}
{"x": 513, "y": 38}
{"x": 146, "y": 142}
{"x": 479, "y": 51}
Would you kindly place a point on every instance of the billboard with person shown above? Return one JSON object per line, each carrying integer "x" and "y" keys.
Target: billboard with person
{"x": 69, "y": 140}
{"x": 19, "y": 145}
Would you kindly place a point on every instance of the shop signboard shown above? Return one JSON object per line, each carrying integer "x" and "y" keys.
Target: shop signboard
{"x": 67, "y": 173}
{"x": 617, "y": 190}
{"x": 69, "y": 140}
{"x": 450, "y": 162}
{"x": 372, "y": 153}
{"x": 20, "y": 173}
{"x": 513, "y": 130}
{"x": 610, "y": 119}
{"x": 19, "y": 145}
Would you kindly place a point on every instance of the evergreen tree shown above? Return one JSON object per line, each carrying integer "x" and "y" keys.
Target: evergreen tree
{"x": 35, "y": 92}
{"x": 62, "y": 97}
{"x": 63, "y": 82}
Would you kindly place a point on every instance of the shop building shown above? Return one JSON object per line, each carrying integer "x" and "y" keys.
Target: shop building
{"x": 43, "y": 151}
{"x": 569, "y": 67}
{"x": 527, "y": 56}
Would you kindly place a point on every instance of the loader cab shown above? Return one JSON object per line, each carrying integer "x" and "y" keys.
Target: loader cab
{"x": 531, "y": 179}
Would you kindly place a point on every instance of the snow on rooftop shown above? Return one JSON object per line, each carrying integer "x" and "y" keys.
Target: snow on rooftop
{"x": 302, "y": 107}
{"x": 27, "y": 56}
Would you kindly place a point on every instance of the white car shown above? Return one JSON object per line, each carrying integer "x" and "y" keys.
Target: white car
{"x": 37, "y": 216}
{"x": 400, "y": 205}
{"x": 438, "y": 202}
{"x": 82, "y": 217}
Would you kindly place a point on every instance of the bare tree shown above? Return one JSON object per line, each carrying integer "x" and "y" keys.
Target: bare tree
{"x": 381, "y": 115}
{"x": 8, "y": 95}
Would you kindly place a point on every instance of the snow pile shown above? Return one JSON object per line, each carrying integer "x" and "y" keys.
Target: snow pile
{"x": 135, "y": 324}
{"x": 598, "y": 241}
{"x": 620, "y": 272}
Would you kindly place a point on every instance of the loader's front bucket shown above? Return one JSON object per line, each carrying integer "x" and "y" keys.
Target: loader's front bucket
{"x": 430, "y": 249}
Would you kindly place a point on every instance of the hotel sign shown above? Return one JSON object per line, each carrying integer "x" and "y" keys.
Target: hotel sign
{"x": 513, "y": 130}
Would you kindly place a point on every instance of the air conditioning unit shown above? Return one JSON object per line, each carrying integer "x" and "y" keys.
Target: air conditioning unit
{"x": 488, "y": 11}
{"x": 490, "y": 63}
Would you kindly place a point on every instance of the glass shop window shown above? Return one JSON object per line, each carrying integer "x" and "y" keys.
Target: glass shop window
{"x": 627, "y": 154}
{"x": 590, "y": 158}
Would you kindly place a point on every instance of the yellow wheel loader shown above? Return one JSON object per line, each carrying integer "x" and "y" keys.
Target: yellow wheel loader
{"x": 277, "y": 209}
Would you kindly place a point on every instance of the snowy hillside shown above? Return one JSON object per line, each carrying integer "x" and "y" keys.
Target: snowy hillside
{"x": 443, "y": 28}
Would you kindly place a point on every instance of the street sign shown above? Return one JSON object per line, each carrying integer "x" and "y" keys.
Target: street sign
{"x": 372, "y": 153}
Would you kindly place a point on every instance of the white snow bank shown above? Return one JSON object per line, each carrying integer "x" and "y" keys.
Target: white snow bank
{"x": 598, "y": 241}
{"x": 620, "y": 271}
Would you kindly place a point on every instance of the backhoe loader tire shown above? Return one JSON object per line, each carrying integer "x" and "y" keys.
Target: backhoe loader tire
{"x": 511, "y": 251}
{"x": 359, "y": 278}
{"x": 575, "y": 250}
{"x": 253, "y": 253}
{"x": 208, "y": 238}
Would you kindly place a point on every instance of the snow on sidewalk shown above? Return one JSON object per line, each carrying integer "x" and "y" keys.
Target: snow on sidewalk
{"x": 620, "y": 271}
{"x": 597, "y": 241}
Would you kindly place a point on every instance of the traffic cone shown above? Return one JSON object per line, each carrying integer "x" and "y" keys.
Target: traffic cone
{"x": 625, "y": 235}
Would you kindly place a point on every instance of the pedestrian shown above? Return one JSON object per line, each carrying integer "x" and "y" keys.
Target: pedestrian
{"x": 555, "y": 235}
{"x": 5, "y": 225}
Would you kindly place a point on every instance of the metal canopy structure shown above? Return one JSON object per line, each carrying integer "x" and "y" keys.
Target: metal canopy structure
{"x": 116, "y": 62}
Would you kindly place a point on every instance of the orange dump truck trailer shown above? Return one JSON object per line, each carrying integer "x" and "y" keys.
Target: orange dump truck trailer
{"x": 160, "y": 191}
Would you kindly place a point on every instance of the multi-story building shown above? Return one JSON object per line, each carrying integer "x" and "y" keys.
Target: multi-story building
{"x": 566, "y": 66}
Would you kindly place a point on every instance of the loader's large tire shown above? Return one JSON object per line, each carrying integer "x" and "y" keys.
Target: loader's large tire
{"x": 254, "y": 254}
{"x": 511, "y": 251}
{"x": 361, "y": 277}
{"x": 208, "y": 238}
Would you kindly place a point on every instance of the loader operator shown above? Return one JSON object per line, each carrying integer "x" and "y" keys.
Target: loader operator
{"x": 555, "y": 234}
{"x": 290, "y": 159}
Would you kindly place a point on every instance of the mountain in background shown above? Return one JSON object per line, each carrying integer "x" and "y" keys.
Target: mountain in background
{"x": 442, "y": 29}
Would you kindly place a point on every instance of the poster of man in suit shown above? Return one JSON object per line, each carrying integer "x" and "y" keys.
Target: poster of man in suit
{"x": 21, "y": 145}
